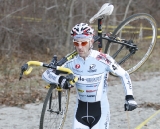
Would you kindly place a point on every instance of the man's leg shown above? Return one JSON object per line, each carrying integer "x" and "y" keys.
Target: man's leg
{"x": 103, "y": 123}
{"x": 78, "y": 125}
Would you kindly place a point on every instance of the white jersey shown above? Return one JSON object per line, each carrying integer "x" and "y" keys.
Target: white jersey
{"x": 92, "y": 75}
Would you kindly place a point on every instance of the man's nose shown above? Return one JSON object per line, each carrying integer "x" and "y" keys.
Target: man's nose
{"x": 79, "y": 46}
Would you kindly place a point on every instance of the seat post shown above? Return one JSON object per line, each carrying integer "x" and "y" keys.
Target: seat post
{"x": 100, "y": 34}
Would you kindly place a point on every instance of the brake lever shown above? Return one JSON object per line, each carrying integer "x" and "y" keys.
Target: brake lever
{"x": 70, "y": 77}
{"x": 23, "y": 68}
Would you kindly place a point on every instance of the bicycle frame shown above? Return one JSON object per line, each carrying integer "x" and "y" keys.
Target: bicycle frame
{"x": 114, "y": 39}
{"x": 100, "y": 34}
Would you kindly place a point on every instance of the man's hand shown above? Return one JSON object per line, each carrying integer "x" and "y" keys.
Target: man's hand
{"x": 130, "y": 104}
{"x": 64, "y": 81}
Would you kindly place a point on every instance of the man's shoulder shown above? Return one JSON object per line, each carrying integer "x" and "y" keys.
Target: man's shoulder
{"x": 102, "y": 57}
{"x": 94, "y": 53}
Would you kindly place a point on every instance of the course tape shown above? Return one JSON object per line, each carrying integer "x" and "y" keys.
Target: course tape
{"x": 33, "y": 19}
{"x": 143, "y": 123}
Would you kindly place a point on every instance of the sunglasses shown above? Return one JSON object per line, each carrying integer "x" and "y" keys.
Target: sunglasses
{"x": 82, "y": 43}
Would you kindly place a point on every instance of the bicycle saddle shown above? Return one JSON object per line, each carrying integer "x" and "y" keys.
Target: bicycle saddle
{"x": 106, "y": 9}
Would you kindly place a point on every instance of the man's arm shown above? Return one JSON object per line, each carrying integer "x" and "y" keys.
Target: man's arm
{"x": 130, "y": 104}
{"x": 124, "y": 76}
{"x": 50, "y": 77}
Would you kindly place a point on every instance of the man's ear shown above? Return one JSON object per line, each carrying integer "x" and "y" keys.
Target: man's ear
{"x": 92, "y": 40}
{"x": 91, "y": 43}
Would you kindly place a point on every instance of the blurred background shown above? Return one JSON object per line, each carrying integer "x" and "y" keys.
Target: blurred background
{"x": 39, "y": 29}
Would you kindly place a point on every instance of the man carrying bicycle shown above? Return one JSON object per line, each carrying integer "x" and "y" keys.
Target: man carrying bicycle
{"x": 92, "y": 68}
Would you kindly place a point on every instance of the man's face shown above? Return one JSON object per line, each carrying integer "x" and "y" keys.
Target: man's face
{"x": 83, "y": 47}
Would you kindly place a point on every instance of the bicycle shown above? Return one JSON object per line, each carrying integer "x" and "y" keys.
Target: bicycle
{"x": 121, "y": 45}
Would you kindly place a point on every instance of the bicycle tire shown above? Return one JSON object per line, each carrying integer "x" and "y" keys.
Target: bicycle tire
{"x": 141, "y": 26}
{"x": 49, "y": 118}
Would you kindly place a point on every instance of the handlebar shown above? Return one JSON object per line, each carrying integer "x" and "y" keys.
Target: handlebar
{"x": 26, "y": 69}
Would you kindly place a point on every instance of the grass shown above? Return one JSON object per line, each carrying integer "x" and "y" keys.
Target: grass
{"x": 17, "y": 93}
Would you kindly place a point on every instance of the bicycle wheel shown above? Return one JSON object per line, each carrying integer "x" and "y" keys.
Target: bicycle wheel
{"x": 141, "y": 30}
{"x": 54, "y": 108}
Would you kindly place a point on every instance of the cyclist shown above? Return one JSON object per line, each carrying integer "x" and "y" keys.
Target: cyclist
{"x": 92, "y": 68}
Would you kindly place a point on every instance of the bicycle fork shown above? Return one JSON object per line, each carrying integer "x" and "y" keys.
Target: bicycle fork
{"x": 59, "y": 103}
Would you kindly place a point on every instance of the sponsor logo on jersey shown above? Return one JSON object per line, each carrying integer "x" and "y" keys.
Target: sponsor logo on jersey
{"x": 77, "y": 70}
{"x": 90, "y": 95}
{"x": 91, "y": 86}
{"x": 114, "y": 67}
{"x": 96, "y": 79}
{"x": 92, "y": 68}
{"x": 80, "y": 90}
{"x": 107, "y": 122}
{"x": 105, "y": 85}
{"x": 81, "y": 79}
{"x": 130, "y": 85}
{"x": 102, "y": 56}
{"x": 50, "y": 75}
{"x": 77, "y": 66}
{"x": 82, "y": 95}
{"x": 48, "y": 72}
{"x": 93, "y": 79}
{"x": 91, "y": 90}
{"x": 128, "y": 79}
{"x": 106, "y": 125}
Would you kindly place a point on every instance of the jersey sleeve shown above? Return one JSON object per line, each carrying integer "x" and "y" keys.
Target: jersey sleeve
{"x": 50, "y": 77}
{"x": 119, "y": 71}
